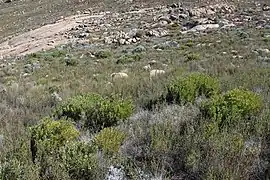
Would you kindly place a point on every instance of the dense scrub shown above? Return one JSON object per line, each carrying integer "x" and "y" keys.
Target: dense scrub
{"x": 211, "y": 122}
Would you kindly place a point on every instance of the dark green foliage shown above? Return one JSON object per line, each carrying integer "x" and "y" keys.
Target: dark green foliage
{"x": 233, "y": 105}
{"x": 96, "y": 111}
{"x": 103, "y": 54}
{"x": 128, "y": 59}
{"x": 72, "y": 61}
{"x": 187, "y": 89}
{"x": 77, "y": 106}
{"x": 192, "y": 57}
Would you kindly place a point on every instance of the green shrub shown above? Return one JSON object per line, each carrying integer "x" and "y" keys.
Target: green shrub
{"x": 183, "y": 90}
{"x": 80, "y": 160}
{"x": 72, "y": 61}
{"x": 13, "y": 169}
{"x": 77, "y": 106}
{"x": 192, "y": 57}
{"x": 233, "y": 105}
{"x": 128, "y": 59}
{"x": 50, "y": 134}
{"x": 110, "y": 140}
{"x": 103, "y": 54}
{"x": 96, "y": 111}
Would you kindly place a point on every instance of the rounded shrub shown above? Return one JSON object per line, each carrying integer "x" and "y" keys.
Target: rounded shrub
{"x": 48, "y": 136}
{"x": 53, "y": 133}
{"x": 110, "y": 140}
{"x": 235, "y": 104}
{"x": 96, "y": 111}
{"x": 187, "y": 89}
{"x": 76, "y": 106}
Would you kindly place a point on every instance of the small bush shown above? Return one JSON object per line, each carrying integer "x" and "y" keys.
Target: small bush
{"x": 80, "y": 160}
{"x": 103, "y": 54}
{"x": 72, "y": 61}
{"x": 183, "y": 90}
{"x": 96, "y": 111}
{"x": 233, "y": 105}
{"x": 76, "y": 106}
{"x": 50, "y": 135}
{"x": 128, "y": 59}
{"x": 192, "y": 57}
{"x": 110, "y": 140}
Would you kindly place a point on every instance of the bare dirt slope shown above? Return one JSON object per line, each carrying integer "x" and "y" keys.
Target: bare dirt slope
{"x": 42, "y": 38}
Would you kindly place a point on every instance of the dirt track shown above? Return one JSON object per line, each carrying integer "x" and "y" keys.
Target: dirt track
{"x": 43, "y": 38}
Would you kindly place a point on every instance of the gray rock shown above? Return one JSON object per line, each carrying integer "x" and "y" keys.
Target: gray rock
{"x": 172, "y": 44}
{"x": 167, "y": 44}
{"x": 263, "y": 51}
{"x": 139, "y": 49}
{"x": 183, "y": 16}
{"x": 266, "y": 8}
{"x": 122, "y": 41}
{"x": 165, "y": 18}
{"x": 115, "y": 173}
{"x": 36, "y": 66}
{"x": 56, "y": 97}
{"x": 108, "y": 40}
{"x": 204, "y": 27}
{"x": 1, "y": 141}
{"x": 174, "y": 17}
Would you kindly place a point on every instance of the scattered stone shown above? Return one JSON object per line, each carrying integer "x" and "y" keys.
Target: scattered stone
{"x": 174, "y": 17}
{"x": 115, "y": 173}
{"x": 165, "y": 18}
{"x": 263, "y": 51}
{"x": 204, "y": 27}
{"x": 122, "y": 41}
{"x": 266, "y": 7}
{"x": 183, "y": 16}
{"x": 56, "y": 97}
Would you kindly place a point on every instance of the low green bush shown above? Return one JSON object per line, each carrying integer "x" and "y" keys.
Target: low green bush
{"x": 95, "y": 111}
{"x": 51, "y": 133}
{"x": 103, "y": 54}
{"x": 110, "y": 140}
{"x": 187, "y": 89}
{"x": 80, "y": 160}
{"x": 128, "y": 58}
{"x": 192, "y": 57}
{"x": 75, "y": 107}
{"x": 235, "y": 104}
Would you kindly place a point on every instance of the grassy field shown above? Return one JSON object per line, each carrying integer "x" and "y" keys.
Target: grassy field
{"x": 133, "y": 125}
